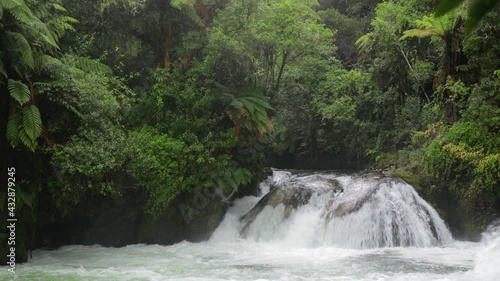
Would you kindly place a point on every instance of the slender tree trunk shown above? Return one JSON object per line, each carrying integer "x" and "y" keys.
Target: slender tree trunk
{"x": 280, "y": 74}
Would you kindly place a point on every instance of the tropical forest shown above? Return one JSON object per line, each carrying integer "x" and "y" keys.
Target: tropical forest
{"x": 250, "y": 140}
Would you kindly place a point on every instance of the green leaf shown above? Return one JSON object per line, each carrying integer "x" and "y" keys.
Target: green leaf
{"x": 18, "y": 9}
{"x": 419, "y": 33}
{"x": 23, "y": 47}
{"x": 32, "y": 122}
{"x": 10, "y": 4}
{"x": 477, "y": 11}
{"x": 92, "y": 66}
{"x": 19, "y": 91}
{"x": 445, "y": 6}
{"x": 58, "y": 7}
{"x": 43, "y": 60}
{"x": 13, "y": 126}
{"x": 25, "y": 139}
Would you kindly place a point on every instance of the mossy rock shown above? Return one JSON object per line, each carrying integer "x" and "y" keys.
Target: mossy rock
{"x": 412, "y": 179}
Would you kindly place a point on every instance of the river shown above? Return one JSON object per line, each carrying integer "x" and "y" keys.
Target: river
{"x": 382, "y": 235}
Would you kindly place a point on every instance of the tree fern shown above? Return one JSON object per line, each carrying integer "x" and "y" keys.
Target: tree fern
{"x": 11, "y": 4}
{"x": 13, "y": 127}
{"x": 248, "y": 112}
{"x": 429, "y": 26}
{"x": 26, "y": 140}
{"x": 90, "y": 65}
{"x": 44, "y": 61}
{"x": 32, "y": 122}
{"x": 19, "y": 91}
{"x": 24, "y": 127}
{"x": 45, "y": 36}
{"x": 18, "y": 9}
{"x": 22, "y": 47}
{"x": 59, "y": 25}
{"x": 28, "y": 41}
{"x": 365, "y": 43}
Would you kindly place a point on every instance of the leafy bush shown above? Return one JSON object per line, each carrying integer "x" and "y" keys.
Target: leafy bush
{"x": 467, "y": 153}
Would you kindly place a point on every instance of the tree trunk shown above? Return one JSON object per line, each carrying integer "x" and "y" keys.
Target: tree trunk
{"x": 451, "y": 60}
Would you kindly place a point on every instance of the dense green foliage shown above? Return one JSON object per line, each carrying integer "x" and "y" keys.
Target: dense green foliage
{"x": 167, "y": 98}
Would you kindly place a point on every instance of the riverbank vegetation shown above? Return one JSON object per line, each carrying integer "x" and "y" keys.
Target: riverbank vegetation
{"x": 104, "y": 99}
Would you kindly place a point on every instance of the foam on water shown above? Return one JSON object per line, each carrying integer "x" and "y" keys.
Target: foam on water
{"x": 369, "y": 211}
{"x": 227, "y": 256}
{"x": 488, "y": 258}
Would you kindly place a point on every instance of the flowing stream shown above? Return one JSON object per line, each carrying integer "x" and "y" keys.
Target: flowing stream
{"x": 304, "y": 226}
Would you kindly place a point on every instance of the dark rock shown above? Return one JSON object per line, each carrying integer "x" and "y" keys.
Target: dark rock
{"x": 120, "y": 222}
{"x": 292, "y": 196}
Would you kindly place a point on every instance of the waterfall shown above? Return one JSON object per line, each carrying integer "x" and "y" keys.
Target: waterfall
{"x": 357, "y": 211}
{"x": 488, "y": 258}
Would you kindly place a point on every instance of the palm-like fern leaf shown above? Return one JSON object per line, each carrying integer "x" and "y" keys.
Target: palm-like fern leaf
{"x": 420, "y": 33}
{"x": 90, "y": 65}
{"x": 26, "y": 140}
{"x": 19, "y": 91}
{"x": 21, "y": 45}
{"x": 429, "y": 26}
{"x": 18, "y": 9}
{"x": 59, "y": 25}
{"x": 28, "y": 40}
{"x": 44, "y": 61}
{"x": 32, "y": 122}
{"x": 13, "y": 127}
{"x": 45, "y": 36}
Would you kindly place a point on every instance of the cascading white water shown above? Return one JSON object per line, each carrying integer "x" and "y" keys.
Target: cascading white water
{"x": 487, "y": 264}
{"x": 323, "y": 225}
{"x": 349, "y": 211}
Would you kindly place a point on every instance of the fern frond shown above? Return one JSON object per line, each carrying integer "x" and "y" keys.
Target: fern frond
{"x": 19, "y": 10}
{"x": 11, "y": 4}
{"x": 430, "y": 26}
{"x": 260, "y": 101}
{"x": 26, "y": 141}
{"x": 13, "y": 127}
{"x": 22, "y": 46}
{"x": 44, "y": 61}
{"x": 32, "y": 122}
{"x": 420, "y": 33}
{"x": 59, "y": 25}
{"x": 365, "y": 42}
{"x": 19, "y": 91}
{"x": 40, "y": 28}
{"x": 40, "y": 11}
{"x": 92, "y": 66}
{"x": 58, "y": 7}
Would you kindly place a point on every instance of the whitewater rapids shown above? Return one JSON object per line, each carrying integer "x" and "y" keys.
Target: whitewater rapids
{"x": 362, "y": 227}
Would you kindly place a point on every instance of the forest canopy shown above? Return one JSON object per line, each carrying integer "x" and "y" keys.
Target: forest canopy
{"x": 165, "y": 98}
